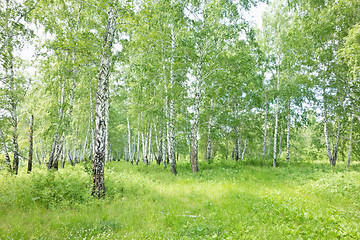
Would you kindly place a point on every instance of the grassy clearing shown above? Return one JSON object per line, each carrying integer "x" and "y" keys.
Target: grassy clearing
{"x": 226, "y": 200}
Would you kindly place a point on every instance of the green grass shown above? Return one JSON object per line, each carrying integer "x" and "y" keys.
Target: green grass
{"x": 225, "y": 200}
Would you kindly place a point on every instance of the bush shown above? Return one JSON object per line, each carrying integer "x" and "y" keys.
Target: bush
{"x": 46, "y": 188}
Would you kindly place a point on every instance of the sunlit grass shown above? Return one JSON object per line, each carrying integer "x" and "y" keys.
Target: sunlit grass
{"x": 225, "y": 200}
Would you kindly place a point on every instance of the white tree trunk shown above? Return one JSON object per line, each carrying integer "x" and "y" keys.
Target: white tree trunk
{"x": 164, "y": 148}
{"x": 336, "y": 144}
{"x": 171, "y": 126}
{"x": 350, "y": 140}
{"x": 208, "y": 148}
{"x": 276, "y": 117}
{"x": 195, "y": 125}
{"x": 327, "y": 140}
{"x": 138, "y": 149}
{"x": 149, "y": 145}
{"x": 236, "y": 144}
{"x": 275, "y": 134}
{"x": 280, "y": 139}
{"x": 288, "y": 136}
{"x": 171, "y": 139}
{"x": 31, "y": 131}
{"x": 244, "y": 150}
{"x": 265, "y": 133}
{"x": 101, "y": 123}
{"x": 129, "y": 140}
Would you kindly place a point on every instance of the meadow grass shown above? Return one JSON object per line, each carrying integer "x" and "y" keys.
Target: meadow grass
{"x": 225, "y": 200}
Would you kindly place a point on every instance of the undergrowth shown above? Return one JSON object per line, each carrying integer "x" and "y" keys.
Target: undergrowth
{"x": 225, "y": 200}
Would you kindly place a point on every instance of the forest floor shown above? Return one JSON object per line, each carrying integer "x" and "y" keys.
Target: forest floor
{"x": 225, "y": 200}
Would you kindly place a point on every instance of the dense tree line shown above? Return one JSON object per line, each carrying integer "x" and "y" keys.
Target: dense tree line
{"x": 149, "y": 81}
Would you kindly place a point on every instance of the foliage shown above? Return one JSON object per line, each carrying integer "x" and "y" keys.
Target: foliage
{"x": 226, "y": 200}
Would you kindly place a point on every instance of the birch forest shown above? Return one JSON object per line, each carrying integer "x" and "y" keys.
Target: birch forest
{"x": 179, "y": 119}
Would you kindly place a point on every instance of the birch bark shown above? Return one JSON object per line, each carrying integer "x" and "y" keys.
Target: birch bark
{"x": 265, "y": 133}
{"x": 171, "y": 126}
{"x": 195, "y": 125}
{"x": 350, "y": 140}
{"x": 208, "y": 149}
{"x": 101, "y": 123}
{"x": 129, "y": 140}
{"x": 31, "y": 130}
{"x": 276, "y": 117}
{"x": 288, "y": 135}
{"x": 244, "y": 150}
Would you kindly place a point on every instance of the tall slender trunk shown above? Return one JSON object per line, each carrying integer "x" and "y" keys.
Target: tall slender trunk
{"x": 269, "y": 146}
{"x": 56, "y": 136}
{"x": 129, "y": 140}
{"x": 63, "y": 155}
{"x": 275, "y": 135}
{"x": 189, "y": 145}
{"x": 143, "y": 148}
{"x": 171, "y": 126}
{"x": 31, "y": 130}
{"x": 243, "y": 152}
{"x": 208, "y": 149}
{"x": 195, "y": 125}
{"x": 149, "y": 145}
{"x": 138, "y": 149}
{"x": 227, "y": 149}
{"x": 158, "y": 145}
{"x": 101, "y": 123}
{"x": 239, "y": 147}
{"x": 288, "y": 135}
{"x": 265, "y": 132}
{"x": 350, "y": 140}
{"x": 327, "y": 140}
{"x": 280, "y": 139}
{"x": 236, "y": 144}
{"x": 164, "y": 148}
{"x": 336, "y": 144}
{"x": 14, "y": 118}
{"x": 58, "y": 152}
{"x": 106, "y": 127}
{"x": 276, "y": 117}
{"x": 171, "y": 139}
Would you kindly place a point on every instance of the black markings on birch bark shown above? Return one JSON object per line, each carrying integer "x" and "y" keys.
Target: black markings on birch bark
{"x": 101, "y": 110}
{"x": 31, "y": 130}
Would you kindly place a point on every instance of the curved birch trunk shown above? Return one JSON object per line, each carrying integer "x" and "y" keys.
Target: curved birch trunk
{"x": 98, "y": 163}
